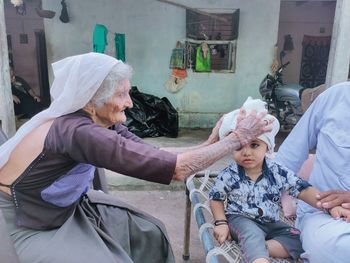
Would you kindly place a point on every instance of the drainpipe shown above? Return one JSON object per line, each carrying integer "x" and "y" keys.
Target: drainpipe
{"x": 339, "y": 54}
{"x": 7, "y": 116}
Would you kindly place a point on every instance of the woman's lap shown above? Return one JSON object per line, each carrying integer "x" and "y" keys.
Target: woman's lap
{"x": 95, "y": 233}
{"x": 143, "y": 236}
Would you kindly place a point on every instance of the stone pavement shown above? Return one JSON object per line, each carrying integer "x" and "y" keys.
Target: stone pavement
{"x": 167, "y": 203}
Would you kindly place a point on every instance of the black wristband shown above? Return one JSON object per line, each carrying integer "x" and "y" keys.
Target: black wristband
{"x": 220, "y": 222}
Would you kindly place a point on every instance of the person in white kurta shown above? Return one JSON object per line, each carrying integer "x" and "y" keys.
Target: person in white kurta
{"x": 326, "y": 127}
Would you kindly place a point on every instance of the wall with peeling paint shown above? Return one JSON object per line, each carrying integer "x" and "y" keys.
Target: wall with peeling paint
{"x": 152, "y": 29}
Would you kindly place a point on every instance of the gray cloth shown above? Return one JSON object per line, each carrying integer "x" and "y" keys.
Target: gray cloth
{"x": 102, "y": 229}
{"x": 251, "y": 235}
{"x": 7, "y": 250}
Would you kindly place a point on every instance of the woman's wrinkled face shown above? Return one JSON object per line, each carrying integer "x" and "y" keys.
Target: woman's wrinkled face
{"x": 112, "y": 112}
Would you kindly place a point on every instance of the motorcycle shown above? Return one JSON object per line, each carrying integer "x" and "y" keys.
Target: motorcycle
{"x": 283, "y": 100}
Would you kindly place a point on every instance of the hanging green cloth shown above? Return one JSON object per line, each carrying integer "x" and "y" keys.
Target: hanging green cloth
{"x": 99, "y": 38}
{"x": 120, "y": 46}
{"x": 177, "y": 59}
{"x": 203, "y": 62}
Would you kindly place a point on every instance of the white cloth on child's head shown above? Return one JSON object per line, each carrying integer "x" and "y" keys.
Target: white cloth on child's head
{"x": 230, "y": 120}
{"x": 77, "y": 79}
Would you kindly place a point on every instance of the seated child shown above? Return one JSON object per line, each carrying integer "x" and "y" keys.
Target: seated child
{"x": 252, "y": 185}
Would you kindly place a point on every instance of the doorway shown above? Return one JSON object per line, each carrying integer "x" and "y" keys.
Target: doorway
{"x": 43, "y": 75}
{"x": 27, "y": 46}
{"x": 302, "y": 22}
{"x": 314, "y": 61}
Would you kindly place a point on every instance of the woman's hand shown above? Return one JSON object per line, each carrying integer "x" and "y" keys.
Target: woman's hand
{"x": 16, "y": 99}
{"x": 222, "y": 233}
{"x": 333, "y": 198}
{"x": 200, "y": 158}
{"x": 251, "y": 126}
{"x": 34, "y": 96}
{"x": 37, "y": 98}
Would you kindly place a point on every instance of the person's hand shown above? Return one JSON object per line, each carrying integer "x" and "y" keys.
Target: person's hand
{"x": 333, "y": 198}
{"x": 340, "y": 212}
{"x": 251, "y": 126}
{"x": 37, "y": 98}
{"x": 214, "y": 136}
{"x": 16, "y": 99}
{"x": 222, "y": 233}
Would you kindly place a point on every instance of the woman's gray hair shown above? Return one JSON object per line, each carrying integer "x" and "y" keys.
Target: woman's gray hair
{"x": 111, "y": 83}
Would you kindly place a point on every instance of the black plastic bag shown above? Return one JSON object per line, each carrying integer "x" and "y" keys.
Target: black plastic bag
{"x": 151, "y": 116}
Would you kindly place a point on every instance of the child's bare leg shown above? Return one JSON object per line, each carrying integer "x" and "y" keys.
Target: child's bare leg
{"x": 261, "y": 260}
{"x": 276, "y": 250}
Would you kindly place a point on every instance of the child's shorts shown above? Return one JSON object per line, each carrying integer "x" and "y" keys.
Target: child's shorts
{"x": 252, "y": 234}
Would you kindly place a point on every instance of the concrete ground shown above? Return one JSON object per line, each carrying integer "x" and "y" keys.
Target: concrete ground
{"x": 168, "y": 202}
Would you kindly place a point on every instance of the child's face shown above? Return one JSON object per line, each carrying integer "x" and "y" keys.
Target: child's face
{"x": 252, "y": 155}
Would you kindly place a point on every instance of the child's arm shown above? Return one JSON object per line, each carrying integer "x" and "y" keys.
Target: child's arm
{"x": 221, "y": 229}
{"x": 308, "y": 195}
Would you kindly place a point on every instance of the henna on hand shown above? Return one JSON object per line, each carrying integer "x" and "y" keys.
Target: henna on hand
{"x": 247, "y": 128}
{"x": 250, "y": 127}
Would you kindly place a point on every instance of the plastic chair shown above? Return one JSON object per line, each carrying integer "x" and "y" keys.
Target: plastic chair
{"x": 308, "y": 95}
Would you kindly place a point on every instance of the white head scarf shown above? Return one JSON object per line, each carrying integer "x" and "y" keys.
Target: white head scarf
{"x": 230, "y": 120}
{"x": 77, "y": 79}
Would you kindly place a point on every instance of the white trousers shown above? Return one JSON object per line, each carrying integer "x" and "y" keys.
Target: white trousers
{"x": 324, "y": 239}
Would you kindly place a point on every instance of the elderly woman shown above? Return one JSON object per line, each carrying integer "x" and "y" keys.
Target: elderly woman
{"x": 47, "y": 167}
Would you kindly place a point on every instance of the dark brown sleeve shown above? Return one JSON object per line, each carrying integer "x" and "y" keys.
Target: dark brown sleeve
{"x": 86, "y": 142}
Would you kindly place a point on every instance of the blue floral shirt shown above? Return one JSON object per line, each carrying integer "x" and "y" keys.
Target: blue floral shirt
{"x": 260, "y": 199}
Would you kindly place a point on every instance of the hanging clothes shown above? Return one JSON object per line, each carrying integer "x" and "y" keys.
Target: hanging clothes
{"x": 177, "y": 58}
{"x": 100, "y": 38}
{"x": 177, "y": 80}
{"x": 119, "y": 40}
{"x": 203, "y": 58}
{"x": 64, "y": 12}
{"x": 179, "y": 73}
